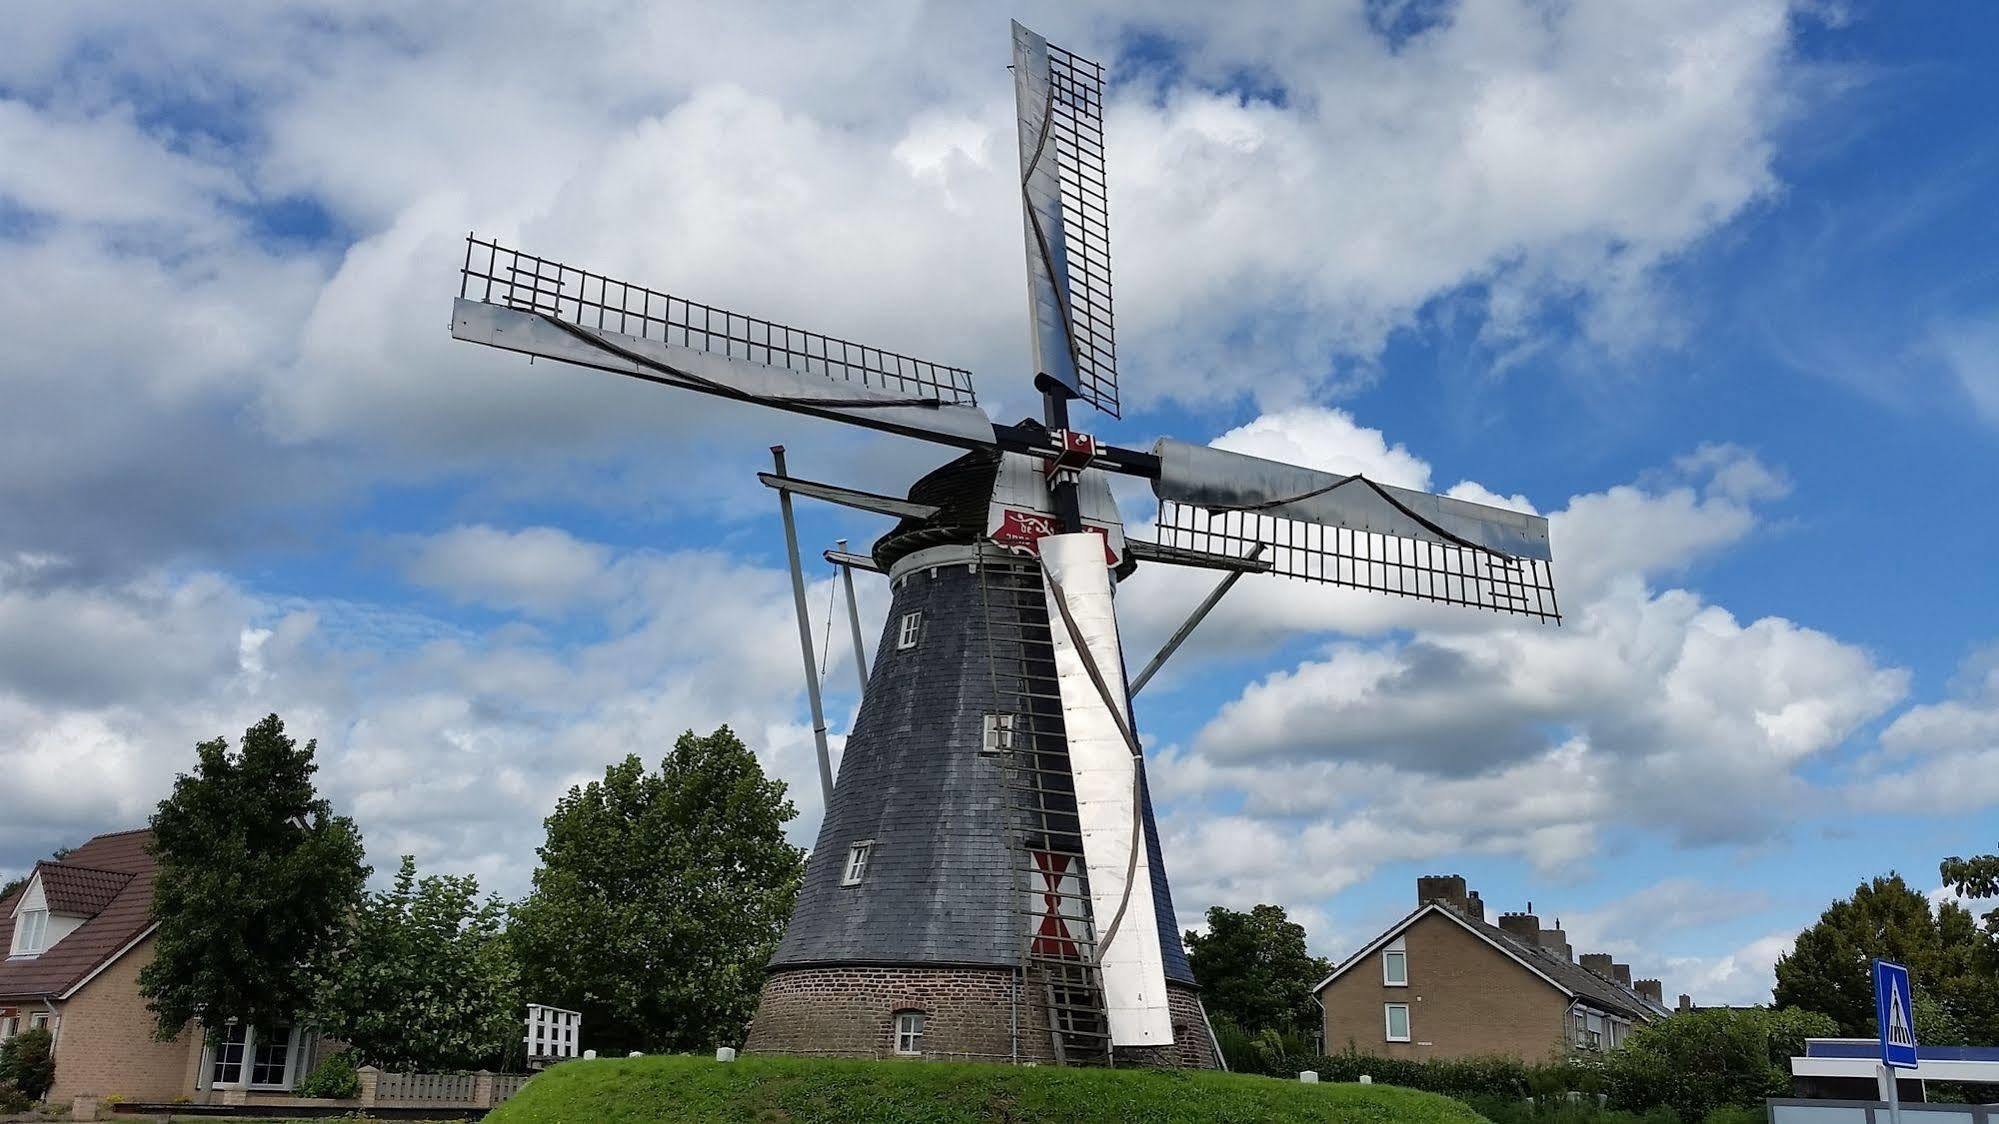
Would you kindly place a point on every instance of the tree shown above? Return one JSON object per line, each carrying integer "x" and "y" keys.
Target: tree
{"x": 1699, "y": 1061}
{"x": 424, "y": 977}
{"x": 1975, "y": 877}
{"x": 1255, "y": 971}
{"x": 257, "y": 877}
{"x": 28, "y": 1062}
{"x": 660, "y": 898}
{"x": 1830, "y": 968}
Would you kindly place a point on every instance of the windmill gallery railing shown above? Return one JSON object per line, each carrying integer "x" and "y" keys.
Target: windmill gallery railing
{"x": 495, "y": 274}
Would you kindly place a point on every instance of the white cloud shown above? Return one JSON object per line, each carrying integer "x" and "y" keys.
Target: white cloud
{"x": 1970, "y": 351}
{"x": 443, "y": 742}
{"x": 1940, "y": 756}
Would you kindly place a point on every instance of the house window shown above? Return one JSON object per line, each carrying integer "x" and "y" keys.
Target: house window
{"x": 1396, "y": 1016}
{"x": 38, "y": 1020}
{"x": 909, "y": 1032}
{"x": 270, "y": 1058}
{"x": 9, "y": 1027}
{"x": 999, "y": 733}
{"x": 857, "y": 862}
{"x": 910, "y": 631}
{"x": 31, "y": 928}
{"x": 1395, "y": 965}
{"x": 228, "y": 1045}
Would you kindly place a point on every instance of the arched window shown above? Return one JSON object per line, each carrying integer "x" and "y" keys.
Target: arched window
{"x": 909, "y": 1033}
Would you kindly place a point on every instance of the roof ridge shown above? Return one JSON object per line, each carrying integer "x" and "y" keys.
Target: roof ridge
{"x": 66, "y": 864}
{"x": 115, "y": 834}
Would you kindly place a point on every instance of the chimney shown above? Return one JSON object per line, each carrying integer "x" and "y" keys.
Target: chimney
{"x": 1475, "y": 906}
{"x": 1598, "y": 962}
{"x": 1651, "y": 989}
{"x": 1556, "y": 942}
{"x": 1621, "y": 973}
{"x": 1686, "y": 1002}
{"x": 1526, "y": 926}
{"x": 1446, "y": 889}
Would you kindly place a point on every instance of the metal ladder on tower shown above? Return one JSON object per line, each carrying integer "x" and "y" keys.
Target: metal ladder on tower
{"x": 1058, "y": 937}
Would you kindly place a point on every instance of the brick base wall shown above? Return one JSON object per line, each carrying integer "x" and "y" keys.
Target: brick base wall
{"x": 970, "y": 1014}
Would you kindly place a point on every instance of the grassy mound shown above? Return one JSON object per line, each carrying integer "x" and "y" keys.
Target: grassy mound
{"x": 798, "y": 1091}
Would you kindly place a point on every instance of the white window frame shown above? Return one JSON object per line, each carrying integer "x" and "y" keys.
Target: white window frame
{"x": 999, "y": 731}
{"x": 9, "y": 1027}
{"x": 1397, "y": 952}
{"x": 909, "y": 631}
{"x": 31, "y": 932}
{"x": 858, "y": 854}
{"x": 909, "y": 1033}
{"x": 1388, "y": 1023}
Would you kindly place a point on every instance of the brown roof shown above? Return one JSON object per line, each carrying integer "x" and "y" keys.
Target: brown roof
{"x": 80, "y": 891}
{"x": 85, "y": 876}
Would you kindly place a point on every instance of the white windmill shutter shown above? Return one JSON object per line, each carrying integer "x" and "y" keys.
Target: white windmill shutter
{"x": 1104, "y": 770}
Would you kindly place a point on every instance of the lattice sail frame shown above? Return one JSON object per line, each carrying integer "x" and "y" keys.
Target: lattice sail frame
{"x": 1060, "y": 97}
{"x": 494, "y": 274}
{"x": 1360, "y": 559}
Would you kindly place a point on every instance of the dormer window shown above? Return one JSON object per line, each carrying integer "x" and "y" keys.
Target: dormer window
{"x": 31, "y": 931}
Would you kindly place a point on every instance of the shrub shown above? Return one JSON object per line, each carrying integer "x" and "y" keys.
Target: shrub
{"x": 13, "y": 1099}
{"x": 1702, "y": 1061}
{"x": 27, "y": 1062}
{"x": 334, "y": 1077}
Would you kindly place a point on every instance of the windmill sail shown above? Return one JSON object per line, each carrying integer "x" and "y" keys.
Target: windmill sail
{"x": 1351, "y": 531}
{"x": 520, "y": 302}
{"x": 1066, "y": 216}
{"x": 1103, "y": 760}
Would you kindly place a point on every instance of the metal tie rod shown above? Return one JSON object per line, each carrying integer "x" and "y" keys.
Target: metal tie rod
{"x": 804, "y": 632}
{"x": 1193, "y": 621}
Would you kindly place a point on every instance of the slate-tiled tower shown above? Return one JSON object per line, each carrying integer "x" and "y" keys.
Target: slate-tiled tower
{"x": 943, "y": 917}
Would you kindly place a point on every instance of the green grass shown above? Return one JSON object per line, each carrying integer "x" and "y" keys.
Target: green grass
{"x": 669, "y": 1090}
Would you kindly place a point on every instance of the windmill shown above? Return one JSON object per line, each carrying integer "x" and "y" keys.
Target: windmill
{"x": 988, "y": 881}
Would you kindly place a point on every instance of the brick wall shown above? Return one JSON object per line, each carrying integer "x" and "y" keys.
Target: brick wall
{"x": 1465, "y": 999}
{"x": 107, "y": 1048}
{"x": 969, "y": 1015}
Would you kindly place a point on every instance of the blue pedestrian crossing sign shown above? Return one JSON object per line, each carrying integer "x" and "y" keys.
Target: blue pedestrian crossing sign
{"x": 1895, "y": 1014}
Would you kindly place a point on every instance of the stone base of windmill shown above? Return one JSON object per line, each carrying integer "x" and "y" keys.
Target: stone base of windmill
{"x": 969, "y": 1014}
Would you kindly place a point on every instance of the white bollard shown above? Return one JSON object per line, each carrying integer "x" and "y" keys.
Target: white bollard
{"x": 1309, "y": 1076}
{"x": 1366, "y": 1080}
{"x": 725, "y": 1053}
{"x": 636, "y": 1054}
{"x": 589, "y": 1055}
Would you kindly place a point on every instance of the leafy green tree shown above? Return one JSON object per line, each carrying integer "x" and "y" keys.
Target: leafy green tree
{"x": 424, "y": 977}
{"x": 1975, "y": 877}
{"x": 257, "y": 877}
{"x": 1950, "y": 961}
{"x": 1698, "y": 1062}
{"x": 1255, "y": 971}
{"x": 28, "y": 1062}
{"x": 660, "y": 898}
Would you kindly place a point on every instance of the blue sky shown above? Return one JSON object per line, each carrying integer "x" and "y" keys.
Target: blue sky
{"x": 1711, "y": 283}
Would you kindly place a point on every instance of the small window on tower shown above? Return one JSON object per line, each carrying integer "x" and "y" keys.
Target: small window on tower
{"x": 999, "y": 733}
{"x": 909, "y": 1032}
{"x": 911, "y": 630}
{"x": 857, "y": 862}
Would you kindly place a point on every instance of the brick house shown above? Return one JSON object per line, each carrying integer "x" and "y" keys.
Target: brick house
{"x": 76, "y": 935}
{"x": 1443, "y": 983}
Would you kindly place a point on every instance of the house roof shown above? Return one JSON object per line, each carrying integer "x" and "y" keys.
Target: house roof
{"x": 118, "y": 914}
{"x": 1564, "y": 975}
{"x": 80, "y": 891}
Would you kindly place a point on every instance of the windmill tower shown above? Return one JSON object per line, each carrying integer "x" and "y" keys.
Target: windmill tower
{"x": 988, "y": 881}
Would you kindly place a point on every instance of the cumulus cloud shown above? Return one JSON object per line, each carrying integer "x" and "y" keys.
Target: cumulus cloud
{"x": 442, "y": 740}
{"x": 1942, "y": 755}
{"x": 264, "y": 253}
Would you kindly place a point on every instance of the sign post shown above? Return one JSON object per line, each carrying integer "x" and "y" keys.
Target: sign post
{"x": 1895, "y": 1015}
